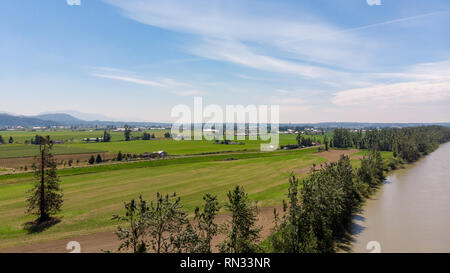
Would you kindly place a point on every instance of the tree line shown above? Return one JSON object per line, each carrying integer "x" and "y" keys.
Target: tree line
{"x": 162, "y": 226}
{"x": 408, "y": 143}
{"x": 317, "y": 212}
{"x": 10, "y": 140}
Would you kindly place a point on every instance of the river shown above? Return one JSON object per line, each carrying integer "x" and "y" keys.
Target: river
{"x": 411, "y": 211}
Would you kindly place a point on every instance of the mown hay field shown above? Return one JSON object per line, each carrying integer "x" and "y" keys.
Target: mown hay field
{"x": 91, "y": 198}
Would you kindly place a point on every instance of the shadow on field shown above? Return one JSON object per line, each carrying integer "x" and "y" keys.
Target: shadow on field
{"x": 37, "y": 226}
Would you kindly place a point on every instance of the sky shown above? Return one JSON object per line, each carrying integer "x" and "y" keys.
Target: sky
{"x": 134, "y": 60}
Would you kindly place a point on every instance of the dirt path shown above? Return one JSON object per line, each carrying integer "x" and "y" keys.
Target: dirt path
{"x": 108, "y": 240}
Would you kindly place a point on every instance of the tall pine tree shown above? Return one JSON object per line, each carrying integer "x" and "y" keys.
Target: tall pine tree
{"x": 46, "y": 195}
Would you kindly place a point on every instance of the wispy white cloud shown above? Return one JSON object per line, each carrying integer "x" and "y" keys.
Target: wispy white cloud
{"x": 129, "y": 79}
{"x": 238, "y": 53}
{"x": 326, "y": 56}
{"x": 310, "y": 47}
{"x": 172, "y": 86}
{"x": 424, "y": 71}
{"x": 394, "y": 94}
{"x": 227, "y": 28}
{"x": 422, "y": 83}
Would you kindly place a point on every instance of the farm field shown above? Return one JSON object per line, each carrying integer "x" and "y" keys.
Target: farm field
{"x": 22, "y": 150}
{"x": 172, "y": 147}
{"x": 62, "y": 135}
{"x": 92, "y": 197}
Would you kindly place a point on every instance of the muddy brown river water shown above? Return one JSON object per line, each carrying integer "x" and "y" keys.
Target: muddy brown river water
{"x": 411, "y": 211}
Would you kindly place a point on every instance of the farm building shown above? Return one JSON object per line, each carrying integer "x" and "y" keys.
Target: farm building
{"x": 161, "y": 153}
{"x": 158, "y": 154}
{"x": 93, "y": 139}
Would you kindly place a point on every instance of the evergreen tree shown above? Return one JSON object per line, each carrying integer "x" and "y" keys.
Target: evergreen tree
{"x": 294, "y": 233}
{"x": 299, "y": 139}
{"x": 106, "y": 136}
{"x": 98, "y": 159}
{"x": 1, "y": 140}
{"x": 379, "y": 166}
{"x": 206, "y": 227}
{"x": 46, "y": 195}
{"x": 146, "y": 136}
{"x": 91, "y": 160}
{"x": 37, "y": 140}
{"x": 119, "y": 156}
{"x": 127, "y": 133}
{"x": 11, "y": 140}
{"x": 241, "y": 233}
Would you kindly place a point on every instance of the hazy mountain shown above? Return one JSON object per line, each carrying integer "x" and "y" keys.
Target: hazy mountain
{"x": 11, "y": 120}
{"x": 359, "y": 125}
{"x": 70, "y": 120}
{"x": 58, "y": 119}
{"x": 61, "y": 118}
{"x": 81, "y": 115}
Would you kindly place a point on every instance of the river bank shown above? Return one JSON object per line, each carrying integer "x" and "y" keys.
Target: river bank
{"x": 411, "y": 211}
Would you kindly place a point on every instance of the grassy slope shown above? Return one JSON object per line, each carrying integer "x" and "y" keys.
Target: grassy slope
{"x": 91, "y": 197}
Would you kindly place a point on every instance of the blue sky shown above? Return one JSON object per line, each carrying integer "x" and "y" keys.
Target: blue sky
{"x": 319, "y": 60}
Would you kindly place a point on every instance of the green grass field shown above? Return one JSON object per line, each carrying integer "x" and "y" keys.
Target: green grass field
{"x": 172, "y": 147}
{"x": 63, "y": 135}
{"x": 91, "y": 197}
{"x": 22, "y": 150}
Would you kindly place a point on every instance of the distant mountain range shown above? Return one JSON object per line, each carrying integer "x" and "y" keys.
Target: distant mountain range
{"x": 358, "y": 125}
{"x": 10, "y": 120}
{"x": 82, "y": 116}
{"x": 64, "y": 119}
